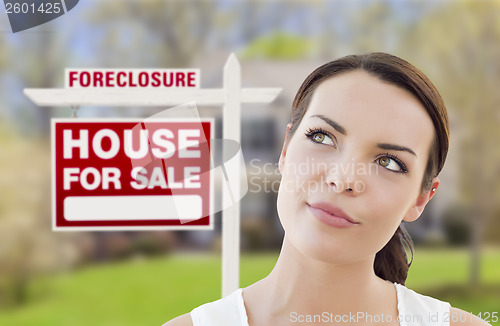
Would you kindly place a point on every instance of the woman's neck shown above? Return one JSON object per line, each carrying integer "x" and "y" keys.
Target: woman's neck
{"x": 301, "y": 286}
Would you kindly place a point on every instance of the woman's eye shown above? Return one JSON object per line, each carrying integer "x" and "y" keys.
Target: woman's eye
{"x": 391, "y": 164}
{"x": 321, "y": 138}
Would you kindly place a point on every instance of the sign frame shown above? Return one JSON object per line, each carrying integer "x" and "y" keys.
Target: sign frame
{"x": 230, "y": 97}
{"x": 56, "y": 228}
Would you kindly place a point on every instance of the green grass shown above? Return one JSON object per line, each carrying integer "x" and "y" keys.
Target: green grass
{"x": 153, "y": 291}
{"x": 444, "y": 274}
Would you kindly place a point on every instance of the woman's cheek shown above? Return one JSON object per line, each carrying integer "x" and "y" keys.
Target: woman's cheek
{"x": 390, "y": 207}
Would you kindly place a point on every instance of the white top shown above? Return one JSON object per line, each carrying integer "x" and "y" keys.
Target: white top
{"x": 413, "y": 310}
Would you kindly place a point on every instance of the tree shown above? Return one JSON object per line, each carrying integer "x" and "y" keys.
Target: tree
{"x": 460, "y": 44}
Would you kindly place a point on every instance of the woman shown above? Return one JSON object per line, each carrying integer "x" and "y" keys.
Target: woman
{"x": 371, "y": 132}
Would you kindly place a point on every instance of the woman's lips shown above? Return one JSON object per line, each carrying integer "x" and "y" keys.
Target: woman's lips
{"x": 331, "y": 215}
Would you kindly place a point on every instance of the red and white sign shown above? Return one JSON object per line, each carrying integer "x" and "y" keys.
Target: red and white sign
{"x": 131, "y": 174}
{"x": 80, "y": 78}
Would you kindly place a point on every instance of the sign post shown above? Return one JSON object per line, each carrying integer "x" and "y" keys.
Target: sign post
{"x": 231, "y": 96}
{"x": 231, "y": 215}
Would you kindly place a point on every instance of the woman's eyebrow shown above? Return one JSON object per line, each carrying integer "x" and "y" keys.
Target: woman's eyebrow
{"x": 341, "y": 129}
{"x": 332, "y": 123}
{"x": 396, "y": 148}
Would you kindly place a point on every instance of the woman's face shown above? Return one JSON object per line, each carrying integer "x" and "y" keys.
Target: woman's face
{"x": 353, "y": 168}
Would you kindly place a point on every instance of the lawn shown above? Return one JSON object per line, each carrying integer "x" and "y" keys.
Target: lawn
{"x": 152, "y": 291}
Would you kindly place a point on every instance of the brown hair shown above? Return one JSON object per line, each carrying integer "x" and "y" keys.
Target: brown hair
{"x": 391, "y": 262}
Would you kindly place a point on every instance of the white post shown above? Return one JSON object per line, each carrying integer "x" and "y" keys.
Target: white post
{"x": 231, "y": 129}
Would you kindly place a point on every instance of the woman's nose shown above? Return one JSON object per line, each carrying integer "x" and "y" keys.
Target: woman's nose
{"x": 346, "y": 185}
{"x": 343, "y": 177}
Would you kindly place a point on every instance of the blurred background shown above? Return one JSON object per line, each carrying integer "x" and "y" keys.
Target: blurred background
{"x": 139, "y": 278}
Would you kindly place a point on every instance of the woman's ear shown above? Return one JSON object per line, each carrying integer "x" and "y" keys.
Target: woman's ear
{"x": 416, "y": 210}
{"x": 283, "y": 150}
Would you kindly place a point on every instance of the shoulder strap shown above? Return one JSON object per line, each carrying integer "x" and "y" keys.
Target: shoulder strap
{"x": 420, "y": 310}
{"x": 228, "y": 311}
